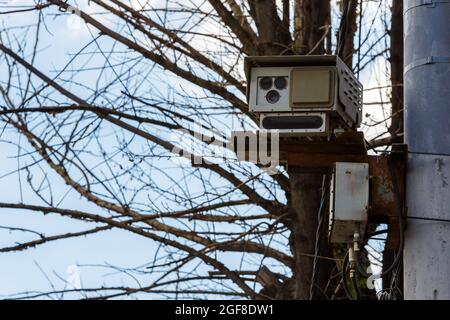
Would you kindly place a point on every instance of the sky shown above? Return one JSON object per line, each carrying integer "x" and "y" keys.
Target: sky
{"x": 54, "y": 264}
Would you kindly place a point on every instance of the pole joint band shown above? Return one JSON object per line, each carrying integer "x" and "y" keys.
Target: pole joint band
{"x": 426, "y": 61}
{"x": 421, "y": 3}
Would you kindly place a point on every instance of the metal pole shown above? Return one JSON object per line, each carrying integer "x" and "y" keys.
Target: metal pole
{"x": 427, "y": 133}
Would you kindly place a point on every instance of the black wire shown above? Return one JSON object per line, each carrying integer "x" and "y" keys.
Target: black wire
{"x": 320, "y": 218}
{"x": 344, "y": 278}
{"x": 401, "y": 229}
{"x": 342, "y": 29}
{"x": 377, "y": 233}
{"x": 428, "y": 219}
{"x": 355, "y": 285}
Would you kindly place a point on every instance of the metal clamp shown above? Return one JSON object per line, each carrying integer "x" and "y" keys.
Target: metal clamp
{"x": 425, "y": 61}
{"x": 421, "y": 3}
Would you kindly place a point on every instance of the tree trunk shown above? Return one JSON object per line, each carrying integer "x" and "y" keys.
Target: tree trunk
{"x": 396, "y": 128}
{"x": 311, "y": 26}
{"x": 312, "y": 18}
{"x": 347, "y": 30}
{"x": 396, "y": 61}
{"x": 306, "y": 190}
{"x": 273, "y": 33}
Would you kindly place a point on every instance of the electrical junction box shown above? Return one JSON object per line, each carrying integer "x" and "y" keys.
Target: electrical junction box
{"x": 349, "y": 201}
{"x": 298, "y": 85}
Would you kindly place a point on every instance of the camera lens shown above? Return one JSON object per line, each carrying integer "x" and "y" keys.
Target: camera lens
{"x": 272, "y": 96}
{"x": 265, "y": 83}
{"x": 280, "y": 83}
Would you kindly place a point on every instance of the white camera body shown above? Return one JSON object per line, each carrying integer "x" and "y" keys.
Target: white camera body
{"x": 307, "y": 89}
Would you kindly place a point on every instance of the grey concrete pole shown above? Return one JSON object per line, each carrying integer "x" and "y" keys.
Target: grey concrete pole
{"x": 427, "y": 133}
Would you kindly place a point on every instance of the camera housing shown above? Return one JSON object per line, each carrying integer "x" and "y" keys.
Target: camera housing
{"x": 296, "y": 86}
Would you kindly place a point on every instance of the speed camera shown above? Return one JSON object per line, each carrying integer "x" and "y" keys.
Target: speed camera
{"x": 303, "y": 94}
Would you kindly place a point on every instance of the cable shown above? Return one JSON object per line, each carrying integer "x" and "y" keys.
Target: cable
{"x": 377, "y": 233}
{"x": 342, "y": 29}
{"x": 320, "y": 218}
{"x": 428, "y": 219}
{"x": 401, "y": 229}
{"x": 352, "y": 262}
{"x": 344, "y": 277}
{"x": 355, "y": 284}
{"x": 352, "y": 278}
